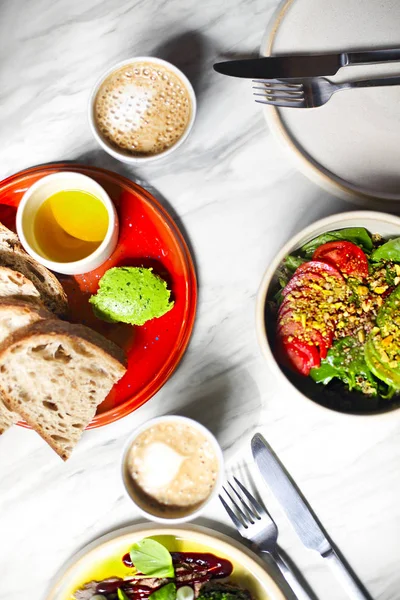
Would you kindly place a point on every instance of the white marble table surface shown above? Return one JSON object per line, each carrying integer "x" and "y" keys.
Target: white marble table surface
{"x": 238, "y": 198}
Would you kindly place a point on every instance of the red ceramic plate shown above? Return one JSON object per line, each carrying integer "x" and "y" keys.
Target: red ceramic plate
{"x": 148, "y": 237}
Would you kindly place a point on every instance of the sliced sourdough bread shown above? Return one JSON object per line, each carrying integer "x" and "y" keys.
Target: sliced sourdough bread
{"x": 13, "y": 255}
{"x": 15, "y": 285}
{"x": 55, "y": 374}
{"x": 15, "y": 314}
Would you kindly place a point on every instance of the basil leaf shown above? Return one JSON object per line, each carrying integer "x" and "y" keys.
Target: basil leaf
{"x": 357, "y": 235}
{"x": 152, "y": 558}
{"x": 167, "y": 592}
{"x": 122, "y": 595}
{"x": 389, "y": 251}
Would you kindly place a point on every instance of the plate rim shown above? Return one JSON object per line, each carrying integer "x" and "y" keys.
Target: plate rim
{"x": 114, "y": 414}
{"x": 152, "y": 529}
{"x": 310, "y": 167}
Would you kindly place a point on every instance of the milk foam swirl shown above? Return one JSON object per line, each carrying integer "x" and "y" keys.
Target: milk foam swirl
{"x": 142, "y": 109}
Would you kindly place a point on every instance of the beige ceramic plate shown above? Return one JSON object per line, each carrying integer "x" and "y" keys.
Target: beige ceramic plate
{"x": 102, "y": 559}
{"x": 350, "y": 146}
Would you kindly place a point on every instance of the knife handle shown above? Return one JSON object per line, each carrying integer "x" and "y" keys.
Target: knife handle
{"x": 353, "y": 588}
{"x": 290, "y": 577}
{"x": 370, "y": 57}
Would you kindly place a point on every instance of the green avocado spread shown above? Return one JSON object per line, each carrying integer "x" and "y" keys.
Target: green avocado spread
{"x": 131, "y": 295}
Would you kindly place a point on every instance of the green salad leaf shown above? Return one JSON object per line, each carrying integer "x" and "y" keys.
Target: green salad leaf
{"x": 346, "y": 361}
{"x": 357, "y": 235}
{"x": 166, "y": 592}
{"x": 152, "y": 558}
{"x": 291, "y": 262}
{"x": 121, "y": 595}
{"x": 388, "y": 251}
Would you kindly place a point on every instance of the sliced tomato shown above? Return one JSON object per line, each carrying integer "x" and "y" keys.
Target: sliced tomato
{"x": 298, "y": 356}
{"x": 318, "y": 266}
{"x": 345, "y": 256}
{"x": 291, "y": 300}
{"x": 303, "y": 279}
{"x": 287, "y": 327}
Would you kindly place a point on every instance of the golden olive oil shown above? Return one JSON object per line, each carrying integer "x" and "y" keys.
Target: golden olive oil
{"x": 70, "y": 225}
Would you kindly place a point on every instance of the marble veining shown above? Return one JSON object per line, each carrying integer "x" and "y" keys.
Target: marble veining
{"x": 237, "y": 198}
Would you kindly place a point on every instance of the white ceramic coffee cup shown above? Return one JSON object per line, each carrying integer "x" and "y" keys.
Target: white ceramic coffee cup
{"x": 41, "y": 191}
{"x": 127, "y": 480}
{"x": 120, "y": 154}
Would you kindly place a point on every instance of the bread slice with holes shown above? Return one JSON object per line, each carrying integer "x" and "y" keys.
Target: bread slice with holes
{"x": 15, "y": 285}
{"x": 13, "y": 256}
{"x": 16, "y": 314}
{"x": 55, "y": 374}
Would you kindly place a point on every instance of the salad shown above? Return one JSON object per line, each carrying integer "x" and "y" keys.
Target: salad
{"x": 158, "y": 574}
{"x": 337, "y": 314}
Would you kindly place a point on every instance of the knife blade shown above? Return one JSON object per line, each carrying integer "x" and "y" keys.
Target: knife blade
{"x": 301, "y": 516}
{"x": 303, "y": 65}
{"x": 285, "y": 490}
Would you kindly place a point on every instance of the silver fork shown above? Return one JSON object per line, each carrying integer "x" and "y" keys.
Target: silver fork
{"x": 255, "y": 524}
{"x": 309, "y": 93}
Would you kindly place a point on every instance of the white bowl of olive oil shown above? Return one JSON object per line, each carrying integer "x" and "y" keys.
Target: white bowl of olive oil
{"x": 68, "y": 223}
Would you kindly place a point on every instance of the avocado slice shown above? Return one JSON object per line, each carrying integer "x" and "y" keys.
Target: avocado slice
{"x": 388, "y": 317}
{"x": 377, "y": 360}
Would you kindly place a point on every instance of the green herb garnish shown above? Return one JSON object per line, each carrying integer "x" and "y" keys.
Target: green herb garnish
{"x": 389, "y": 251}
{"x": 167, "y": 592}
{"x": 122, "y": 595}
{"x": 152, "y": 558}
{"x": 346, "y": 361}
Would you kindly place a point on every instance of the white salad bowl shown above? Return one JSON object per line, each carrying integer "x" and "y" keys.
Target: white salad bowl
{"x": 375, "y": 222}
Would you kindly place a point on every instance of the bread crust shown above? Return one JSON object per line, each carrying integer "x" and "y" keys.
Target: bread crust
{"x": 17, "y": 307}
{"x": 112, "y": 358}
{"x": 13, "y": 256}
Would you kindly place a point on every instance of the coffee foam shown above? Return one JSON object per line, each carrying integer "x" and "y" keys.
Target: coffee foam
{"x": 142, "y": 109}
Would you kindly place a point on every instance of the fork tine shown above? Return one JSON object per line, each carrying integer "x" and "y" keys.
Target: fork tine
{"x": 245, "y": 518}
{"x": 295, "y": 97}
{"x": 237, "y": 523}
{"x": 254, "y": 503}
{"x": 281, "y": 103}
{"x": 247, "y": 507}
{"x": 275, "y": 91}
{"x": 279, "y": 82}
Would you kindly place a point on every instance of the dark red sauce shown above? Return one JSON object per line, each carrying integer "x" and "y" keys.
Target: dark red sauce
{"x": 108, "y": 587}
{"x": 138, "y": 591}
{"x": 203, "y": 567}
{"x": 134, "y": 591}
{"x": 215, "y": 566}
{"x": 126, "y": 559}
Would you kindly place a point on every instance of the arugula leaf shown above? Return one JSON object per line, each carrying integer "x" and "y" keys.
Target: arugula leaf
{"x": 346, "y": 361}
{"x": 152, "y": 558}
{"x": 388, "y": 251}
{"x": 122, "y": 595}
{"x": 166, "y": 592}
{"x": 357, "y": 235}
{"x": 291, "y": 262}
{"x": 285, "y": 272}
{"x": 390, "y": 276}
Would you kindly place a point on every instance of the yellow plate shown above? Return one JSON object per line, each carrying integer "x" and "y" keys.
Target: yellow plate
{"x": 102, "y": 559}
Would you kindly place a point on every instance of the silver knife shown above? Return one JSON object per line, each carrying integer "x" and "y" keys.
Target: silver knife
{"x": 303, "y": 65}
{"x": 301, "y": 516}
